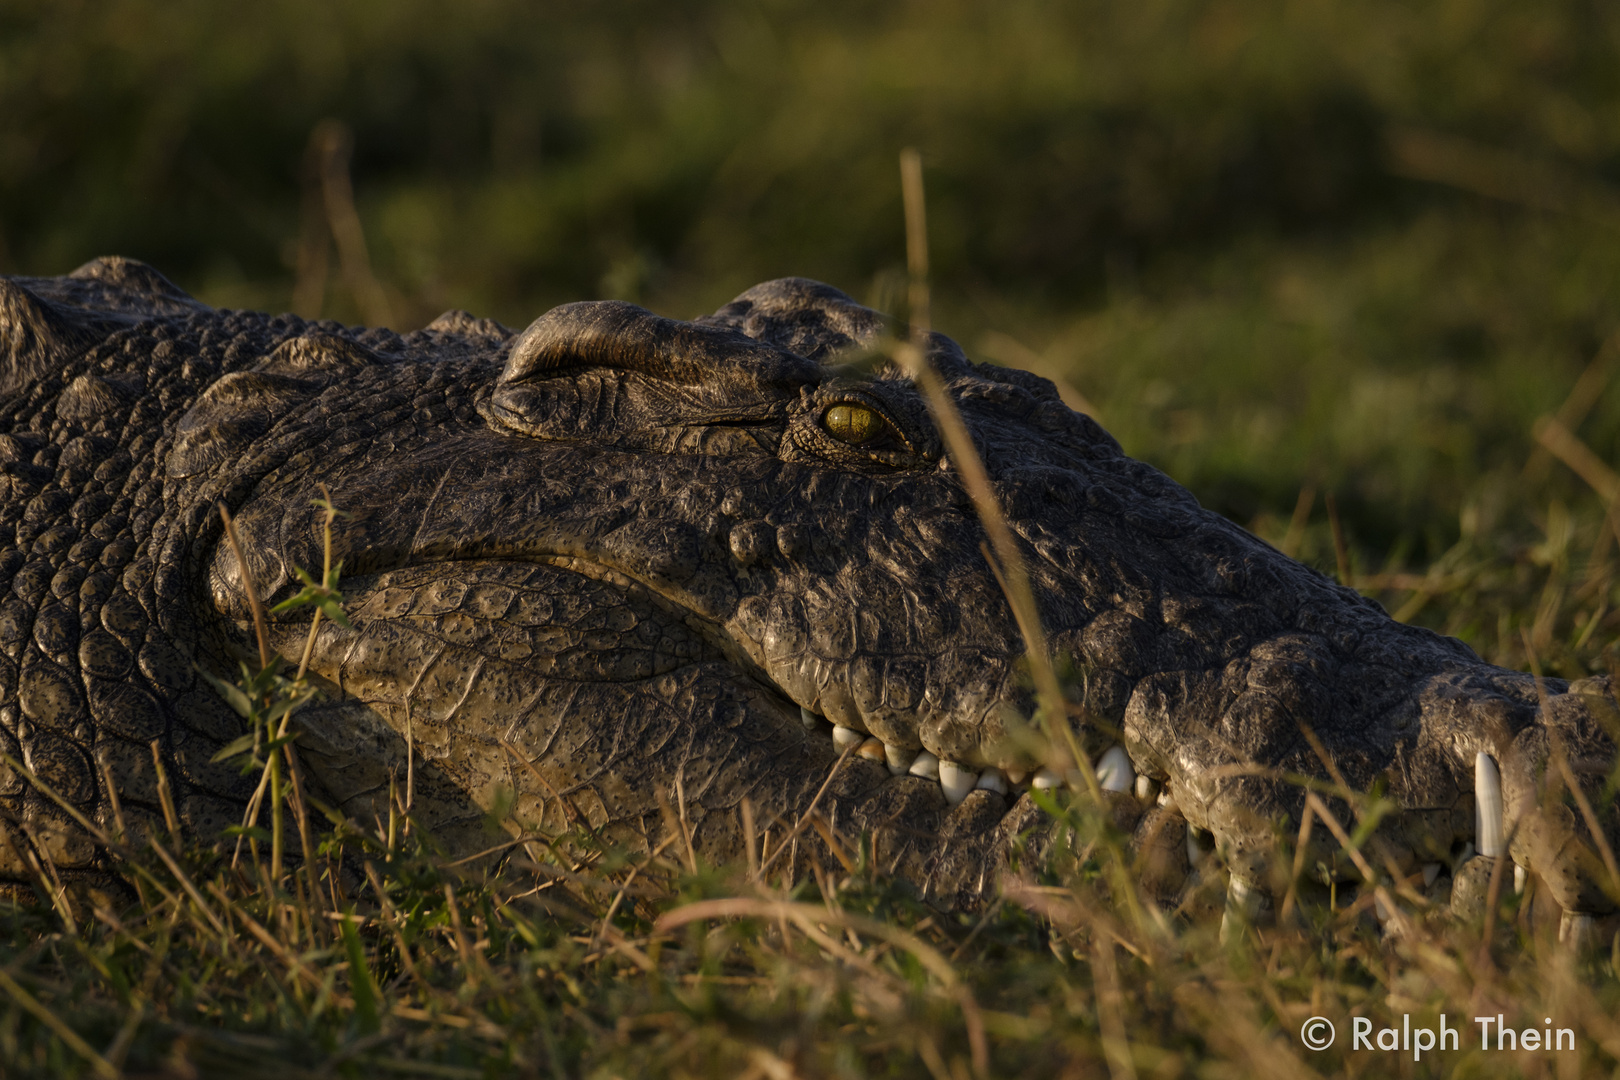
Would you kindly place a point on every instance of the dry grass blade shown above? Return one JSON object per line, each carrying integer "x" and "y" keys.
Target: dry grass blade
{"x": 809, "y": 917}
{"x": 804, "y": 818}
{"x": 70, "y": 1038}
{"x": 964, "y": 456}
{"x": 1116, "y": 1046}
{"x": 335, "y": 145}
{"x": 261, "y": 632}
{"x": 1341, "y": 549}
{"x": 187, "y": 884}
{"x": 1569, "y": 449}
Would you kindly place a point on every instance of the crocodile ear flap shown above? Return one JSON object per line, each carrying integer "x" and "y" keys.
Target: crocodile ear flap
{"x": 616, "y": 335}
{"x": 37, "y": 336}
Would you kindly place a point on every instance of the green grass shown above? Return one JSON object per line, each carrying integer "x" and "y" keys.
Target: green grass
{"x": 1286, "y": 251}
{"x": 322, "y": 946}
{"x": 560, "y": 956}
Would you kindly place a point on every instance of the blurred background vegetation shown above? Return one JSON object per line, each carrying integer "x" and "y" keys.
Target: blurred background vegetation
{"x": 1286, "y": 249}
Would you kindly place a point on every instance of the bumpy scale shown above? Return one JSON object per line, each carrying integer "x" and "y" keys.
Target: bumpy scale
{"x": 642, "y": 552}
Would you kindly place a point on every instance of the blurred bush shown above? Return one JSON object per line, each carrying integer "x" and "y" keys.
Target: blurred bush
{"x": 1360, "y": 245}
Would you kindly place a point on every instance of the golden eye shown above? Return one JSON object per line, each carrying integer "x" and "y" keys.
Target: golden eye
{"x": 852, "y": 424}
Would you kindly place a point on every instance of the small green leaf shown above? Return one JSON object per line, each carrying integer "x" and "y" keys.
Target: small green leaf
{"x": 308, "y": 595}
{"x": 233, "y": 695}
{"x": 333, "y": 611}
{"x": 236, "y": 746}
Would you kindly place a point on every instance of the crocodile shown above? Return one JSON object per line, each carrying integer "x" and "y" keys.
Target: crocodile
{"x": 619, "y": 567}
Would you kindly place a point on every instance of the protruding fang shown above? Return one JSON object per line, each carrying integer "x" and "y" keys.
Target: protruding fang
{"x": 843, "y": 737}
{"x": 1147, "y": 788}
{"x": 1047, "y": 779}
{"x": 1487, "y": 806}
{"x": 1520, "y": 877}
{"x": 1016, "y": 776}
{"x": 926, "y": 766}
{"x": 872, "y": 749}
{"x": 1382, "y": 910}
{"x": 1468, "y": 852}
{"x": 1431, "y": 871}
{"x": 993, "y": 780}
{"x": 1165, "y": 798}
{"x": 1195, "y": 850}
{"x": 1575, "y": 929}
{"x": 810, "y": 720}
{"x": 1242, "y": 900}
{"x": 1114, "y": 770}
{"x": 957, "y": 780}
{"x": 899, "y": 758}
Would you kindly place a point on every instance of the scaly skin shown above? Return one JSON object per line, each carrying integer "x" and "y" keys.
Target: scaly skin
{"x": 636, "y": 549}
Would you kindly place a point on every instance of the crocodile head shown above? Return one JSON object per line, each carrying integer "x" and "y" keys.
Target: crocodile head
{"x": 619, "y": 562}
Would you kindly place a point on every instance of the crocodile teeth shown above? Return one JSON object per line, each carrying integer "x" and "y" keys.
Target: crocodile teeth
{"x": 1195, "y": 851}
{"x": 1016, "y": 776}
{"x": 1114, "y": 770}
{"x": 1046, "y": 779}
{"x": 1575, "y": 929}
{"x": 1147, "y": 788}
{"x": 993, "y": 780}
{"x": 810, "y": 720}
{"x": 957, "y": 780}
{"x": 899, "y": 758}
{"x": 926, "y": 766}
{"x": 1487, "y": 806}
{"x": 845, "y": 737}
{"x": 1243, "y": 902}
{"x": 1520, "y": 876}
{"x": 1431, "y": 871}
{"x": 872, "y": 749}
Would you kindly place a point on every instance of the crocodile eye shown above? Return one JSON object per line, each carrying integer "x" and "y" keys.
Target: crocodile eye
{"x": 852, "y": 424}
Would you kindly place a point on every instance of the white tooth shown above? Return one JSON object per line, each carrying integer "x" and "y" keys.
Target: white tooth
{"x": 1016, "y": 776}
{"x": 1165, "y": 798}
{"x": 1242, "y": 899}
{"x": 1487, "y": 806}
{"x": 899, "y": 758}
{"x": 1194, "y": 851}
{"x": 809, "y": 719}
{"x": 1431, "y": 871}
{"x": 1575, "y": 929}
{"x": 872, "y": 750}
{"x": 957, "y": 780}
{"x": 993, "y": 780}
{"x": 1147, "y": 788}
{"x": 1114, "y": 770}
{"x": 1382, "y": 911}
{"x": 926, "y": 766}
{"x": 844, "y": 736}
{"x": 1046, "y": 779}
{"x": 1468, "y": 852}
{"x": 1520, "y": 876}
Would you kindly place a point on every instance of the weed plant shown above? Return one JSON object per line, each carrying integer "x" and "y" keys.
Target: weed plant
{"x": 368, "y": 952}
{"x": 325, "y": 946}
